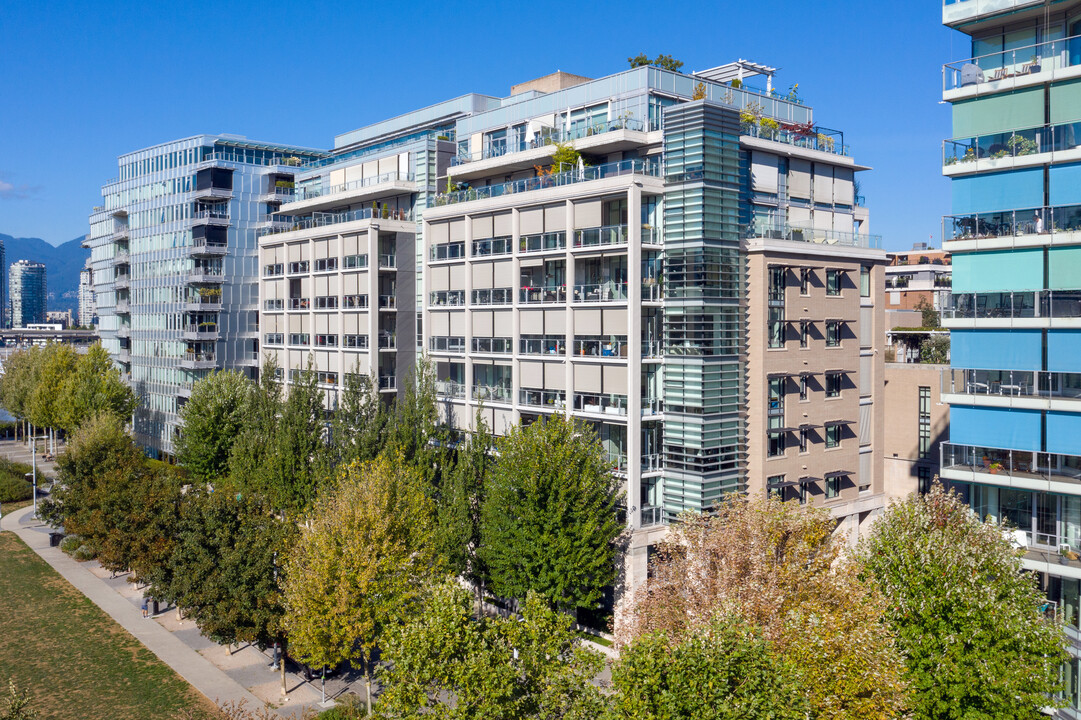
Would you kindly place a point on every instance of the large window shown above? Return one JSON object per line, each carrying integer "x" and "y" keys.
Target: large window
{"x": 773, "y": 484}
{"x": 776, "y": 327}
{"x": 833, "y": 333}
{"x": 775, "y": 416}
{"x": 776, "y": 284}
{"x": 804, "y": 434}
{"x": 925, "y": 422}
{"x": 833, "y": 282}
{"x": 804, "y": 333}
{"x": 865, "y": 281}
{"x": 833, "y": 436}
{"x": 833, "y": 487}
{"x": 805, "y": 281}
{"x": 923, "y": 479}
{"x": 833, "y": 384}
{"x": 802, "y": 388}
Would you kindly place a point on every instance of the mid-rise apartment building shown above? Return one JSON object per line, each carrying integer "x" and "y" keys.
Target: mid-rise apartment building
{"x": 174, "y": 260}
{"x": 920, "y": 275}
{"x": 29, "y": 293}
{"x": 1014, "y": 385}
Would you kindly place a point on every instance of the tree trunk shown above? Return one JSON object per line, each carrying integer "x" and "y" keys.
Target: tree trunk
{"x": 281, "y": 667}
{"x": 368, "y": 680}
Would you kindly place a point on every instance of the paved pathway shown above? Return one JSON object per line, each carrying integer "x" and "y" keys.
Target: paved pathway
{"x": 211, "y": 669}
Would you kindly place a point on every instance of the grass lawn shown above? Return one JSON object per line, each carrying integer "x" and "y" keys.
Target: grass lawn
{"x": 75, "y": 661}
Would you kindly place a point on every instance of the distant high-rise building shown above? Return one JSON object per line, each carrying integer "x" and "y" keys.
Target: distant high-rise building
{"x": 87, "y": 308}
{"x": 26, "y": 280}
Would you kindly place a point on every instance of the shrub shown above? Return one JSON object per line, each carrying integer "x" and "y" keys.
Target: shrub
{"x": 349, "y": 707}
{"x": 85, "y": 552}
{"x": 14, "y": 489}
{"x": 70, "y": 544}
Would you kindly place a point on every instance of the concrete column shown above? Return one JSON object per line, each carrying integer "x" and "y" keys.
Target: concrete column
{"x": 569, "y": 342}
{"x": 339, "y": 322}
{"x": 468, "y": 379}
{"x": 516, "y": 324}
{"x": 373, "y": 299}
{"x": 634, "y": 355}
{"x": 426, "y": 286}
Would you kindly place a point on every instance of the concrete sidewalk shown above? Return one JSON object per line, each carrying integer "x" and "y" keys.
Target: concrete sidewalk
{"x": 174, "y": 648}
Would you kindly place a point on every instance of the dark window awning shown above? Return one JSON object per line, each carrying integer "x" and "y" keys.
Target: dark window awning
{"x": 776, "y": 431}
{"x": 808, "y": 426}
{"x": 837, "y": 473}
{"x": 840, "y": 422}
{"x": 808, "y": 480}
{"x": 785, "y": 484}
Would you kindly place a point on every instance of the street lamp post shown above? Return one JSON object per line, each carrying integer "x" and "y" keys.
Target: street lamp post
{"x": 34, "y": 462}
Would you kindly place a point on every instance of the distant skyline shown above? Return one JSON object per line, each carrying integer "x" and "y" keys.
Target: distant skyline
{"x": 91, "y": 82}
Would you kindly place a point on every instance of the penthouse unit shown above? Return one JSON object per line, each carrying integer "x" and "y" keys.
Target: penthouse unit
{"x": 174, "y": 265}
{"x": 1014, "y": 385}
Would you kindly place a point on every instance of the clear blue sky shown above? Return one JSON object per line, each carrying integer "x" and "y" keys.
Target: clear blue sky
{"x": 85, "y": 82}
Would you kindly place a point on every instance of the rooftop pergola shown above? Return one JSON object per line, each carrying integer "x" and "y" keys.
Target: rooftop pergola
{"x": 738, "y": 70}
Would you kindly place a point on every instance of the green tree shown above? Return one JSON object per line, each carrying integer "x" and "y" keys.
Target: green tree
{"x": 251, "y": 454}
{"x": 47, "y": 399}
{"x": 930, "y": 317}
{"x": 212, "y": 420}
{"x": 777, "y": 567}
{"x": 363, "y": 557}
{"x": 94, "y": 387}
{"x": 728, "y": 671}
{"x": 548, "y": 519}
{"x": 662, "y": 61}
{"x": 935, "y": 349}
{"x": 968, "y": 619}
{"x": 359, "y": 424}
{"x": 458, "y": 500}
{"x": 564, "y": 158}
{"x": 20, "y": 378}
{"x": 416, "y": 416}
{"x": 298, "y": 459}
{"x": 491, "y": 668}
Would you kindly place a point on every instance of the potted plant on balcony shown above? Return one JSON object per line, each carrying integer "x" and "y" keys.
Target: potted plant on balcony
{"x": 995, "y": 468}
{"x": 1066, "y": 554}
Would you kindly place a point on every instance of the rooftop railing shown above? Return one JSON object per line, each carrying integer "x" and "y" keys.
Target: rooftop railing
{"x": 799, "y": 233}
{"x": 1015, "y": 62}
{"x": 570, "y": 177}
{"x": 320, "y": 219}
{"x": 813, "y": 138}
{"x": 310, "y": 193}
{"x": 549, "y": 136}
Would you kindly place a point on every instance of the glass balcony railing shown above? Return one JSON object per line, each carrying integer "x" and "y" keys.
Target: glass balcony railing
{"x": 600, "y": 292}
{"x": 1012, "y": 383}
{"x": 605, "y": 403}
{"x": 542, "y": 295}
{"x": 447, "y": 251}
{"x": 299, "y": 304}
{"x": 613, "y": 346}
{"x": 505, "y": 146}
{"x": 452, "y": 298}
{"x": 554, "y": 399}
{"x": 652, "y": 516}
{"x": 811, "y": 138}
{"x": 542, "y": 242}
{"x": 542, "y": 345}
{"x": 492, "y": 296}
{"x": 1007, "y": 223}
{"x": 387, "y": 382}
{"x": 449, "y": 388}
{"x": 387, "y": 302}
{"x": 492, "y": 246}
{"x": 604, "y": 236}
{"x": 1016, "y": 62}
{"x": 801, "y": 233}
{"x": 1022, "y": 464}
{"x": 1016, "y": 143}
{"x": 321, "y": 219}
{"x": 388, "y": 261}
{"x": 310, "y": 193}
{"x": 570, "y": 177}
{"x": 1014, "y": 305}
{"x": 493, "y": 393}
{"x": 446, "y": 343}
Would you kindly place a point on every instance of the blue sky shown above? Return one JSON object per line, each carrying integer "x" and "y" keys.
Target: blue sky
{"x": 85, "y": 82}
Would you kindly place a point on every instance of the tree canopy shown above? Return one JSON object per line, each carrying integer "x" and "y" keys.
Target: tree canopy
{"x": 548, "y": 519}
{"x": 777, "y": 567}
{"x": 212, "y": 419}
{"x": 662, "y": 61}
{"x": 967, "y": 618}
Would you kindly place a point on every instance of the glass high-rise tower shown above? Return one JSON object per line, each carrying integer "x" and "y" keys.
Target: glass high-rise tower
{"x": 1014, "y": 385}
{"x": 28, "y": 293}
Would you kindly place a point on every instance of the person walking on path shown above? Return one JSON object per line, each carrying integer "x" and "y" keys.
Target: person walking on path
{"x": 146, "y": 607}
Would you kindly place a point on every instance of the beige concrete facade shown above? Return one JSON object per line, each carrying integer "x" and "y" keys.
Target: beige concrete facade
{"x": 558, "y": 80}
{"x": 906, "y": 459}
{"x": 815, "y": 376}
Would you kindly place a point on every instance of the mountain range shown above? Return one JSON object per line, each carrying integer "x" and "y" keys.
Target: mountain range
{"x": 62, "y": 266}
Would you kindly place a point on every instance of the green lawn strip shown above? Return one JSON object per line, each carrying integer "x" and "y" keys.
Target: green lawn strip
{"x": 75, "y": 661}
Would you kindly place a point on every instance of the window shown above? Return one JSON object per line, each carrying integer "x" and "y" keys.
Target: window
{"x": 274, "y": 339}
{"x": 327, "y": 378}
{"x": 801, "y": 490}
{"x": 865, "y": 281}
{"x": 273, "y": 269}
{"x": 833, "y": 487}
{"x": 326, "y": 302}
{"x": 833, "y": 282}
{"x": 298, "y": 267}
{"x": 804, "y": 333}
{"x": 833, "y": 436}
{"x": 802, "y": 388}
{"x": 805, "y": 281}
{"x": 804, "y": 438}
{"x": 326, "y": 264}
{"x": 299, "y": 339}
{"x": 355, "y": 341}
{"x": 355, "y": 261}
{"x": 326, "y": 341}
{"x": 775, "y": 416}
{"x": 776, "y": 284}
{"x": 833, "y": 333}
{"x": 833, "y": 384}
{"x": 773, "y": 484}
{"x": 355, "y": 301}
{"x": 776, "y": 327}
{"x": 925, "y": 422}
{"x": 776, "y": 444}
{"x": 923, "y": 480}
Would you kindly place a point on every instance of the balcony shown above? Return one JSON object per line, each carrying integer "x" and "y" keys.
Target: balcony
{"x": 999, "y": 151}
{"x": 387, "y": 383}
{"x": 120, "y": 233}
{"x": 273, "y": 305}
{"x": 210, "y": 217}
{"x": 123, "y": 356}
{"x": 550, "y": 399}
{"x": 542, "y": 345}
{"x": 299, "y": 304}
{"x": 653, "y": 462}
{"x": 999, "y": 387}
{"x": 447, "y": 298}
{"x": 123, "y": 307}
{"x": 201, "y": 248}
{"x": 202, "y": 331}
{"x": 601, "y": 237}
{"x": 205, "y": 277}
{"x": 447, "y": 251}
{"x": 454, "y": 344}
{"x": 652, "y": 516}
{"x": 387, "y": 262}
{"x": 601, "y": 292}
{"x": 203, "y": 301}
{"x": 955, "y": 12}
{"x": 544, "y": 242}
{"x": 212, "y": 194}
{"x": 1010, "y": 227}
{"x": 325, "y": 219}
{"x": 124, "y": 331}
{"x": 492, "y": 393}
{"x": 309, "y": 199}
{"x": 387, "y": 302}
{"x": 801, "y": 233}
{"x": 603, "y": 346}
{"x": 542, "y": 295}
{"x": 815, "y": 138}
{"x": 1029, "y": 304}
{"x": 492, "y": 296}
{"x": 388, "y": 341}
{"x": 122, "y": 281}
{"x": 596, "y": 172}
{"x": 600, "y": 403}
{"x": 122, "y": 258}
{"x": 449, "y": 389}
{"x": 1020, "y": 468}
{"x": 1017, "y": 63}
{"x": 278, "y": 194}
{"x": 198, "y": 361}
{"x": 601, "y": 137}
